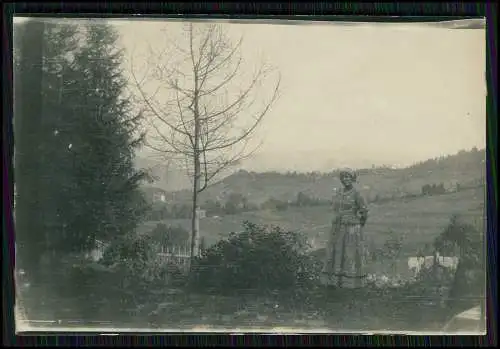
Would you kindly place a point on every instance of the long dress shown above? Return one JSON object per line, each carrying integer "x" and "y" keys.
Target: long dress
{"x": 346, "y": 253}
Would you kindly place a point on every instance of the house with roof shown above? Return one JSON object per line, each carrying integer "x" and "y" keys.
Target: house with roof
{"x": 155, "y": 195}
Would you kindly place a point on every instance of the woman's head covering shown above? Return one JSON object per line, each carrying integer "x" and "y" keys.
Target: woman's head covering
{"x": 349, "y": 173}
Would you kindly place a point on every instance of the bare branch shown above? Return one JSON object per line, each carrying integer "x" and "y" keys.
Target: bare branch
{"x": 208, "y": 36}
{"x": 225, "y": 163}
{"x": 154, "y": 111}
{"x": 241, "y": 98}
{"x": 174, "y": 84}
{"x": 176, "y": 149}
{"x": 216, "y": 51}
{"x": 227, "y": 79}
{"x": 246, "y": 133}
{"x": 209, "y": 70}
{"x": 183, "y": 121}
{"x": 132, "y": 68}
{"x": 191, "y": 48}
{"x": 201, "y": 127}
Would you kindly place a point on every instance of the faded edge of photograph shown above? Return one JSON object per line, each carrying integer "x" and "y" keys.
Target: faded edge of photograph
{"x": 234, "y": 176}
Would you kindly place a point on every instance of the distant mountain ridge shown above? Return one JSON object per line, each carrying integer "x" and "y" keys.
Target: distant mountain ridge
{"x": 465, "y": 167}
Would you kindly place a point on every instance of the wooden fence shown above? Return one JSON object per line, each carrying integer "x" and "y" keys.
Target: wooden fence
{"x": 179, "y": 256}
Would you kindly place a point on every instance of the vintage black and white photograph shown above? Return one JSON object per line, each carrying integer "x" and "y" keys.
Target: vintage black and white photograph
{"x": 249, "y": 176}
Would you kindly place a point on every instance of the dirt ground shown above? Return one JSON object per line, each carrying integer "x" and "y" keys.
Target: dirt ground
{"x": 325, "y": 310}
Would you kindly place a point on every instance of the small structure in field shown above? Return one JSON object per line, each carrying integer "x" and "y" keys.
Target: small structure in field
{"x": 202, "y": 213}
{"x": 417, "y": 264}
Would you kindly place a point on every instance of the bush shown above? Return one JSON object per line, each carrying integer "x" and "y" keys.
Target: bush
{"x": 158, "y": 212}
{"x": 434, "y": 189}
{"x": 137, "y": 270}
{"x": 259, "y": 259}
{"x": 469, "y": 280}
{"x": 275, "y": 205}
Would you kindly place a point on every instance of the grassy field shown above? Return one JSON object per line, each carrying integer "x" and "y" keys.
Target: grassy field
{"x": 418, "y": 221}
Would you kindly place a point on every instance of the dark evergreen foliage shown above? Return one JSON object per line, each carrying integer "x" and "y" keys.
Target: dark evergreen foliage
{"x": 75, "y": 138}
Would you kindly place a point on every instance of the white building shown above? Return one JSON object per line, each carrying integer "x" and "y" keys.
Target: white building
{"x": 202, "y": 213}
{"x": 416, "y": 264}
{"x": 159, "y": 197}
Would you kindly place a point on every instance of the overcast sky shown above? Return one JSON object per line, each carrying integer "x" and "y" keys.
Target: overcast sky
{"x": 356, "y": 95}
{"x": 361, "y": 94}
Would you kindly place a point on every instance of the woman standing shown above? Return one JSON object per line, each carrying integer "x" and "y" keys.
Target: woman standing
{"x": 346, "y": 254}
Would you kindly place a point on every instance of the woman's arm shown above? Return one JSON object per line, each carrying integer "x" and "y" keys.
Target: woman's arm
{"x": 335, "y": 210}
{"x": 362, "y": 209}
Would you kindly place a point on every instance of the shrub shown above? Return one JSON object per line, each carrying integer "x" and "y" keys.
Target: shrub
{"x": 434, "y": 189}
{"x": 469, "y": 280}
{"x": 274, "y": 204}
{"x": 136, "y": 267}
{"x": 158, "y": 212}
{"x": 260, "y": 259}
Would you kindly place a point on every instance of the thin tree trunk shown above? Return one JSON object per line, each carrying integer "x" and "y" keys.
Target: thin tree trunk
{"x": 195, "y": 223}
{"x": 195, "y": 217}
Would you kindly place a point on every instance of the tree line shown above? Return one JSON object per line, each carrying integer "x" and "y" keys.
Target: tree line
{"x": 234, "y": 204}
{"x": 239, "y": 203}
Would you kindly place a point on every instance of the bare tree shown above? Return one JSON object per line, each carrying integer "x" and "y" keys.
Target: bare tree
{"x": 201, "y": 112}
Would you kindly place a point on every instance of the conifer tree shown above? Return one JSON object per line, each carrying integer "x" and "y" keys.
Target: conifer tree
{"x": 105, "y": 145}
{"x": 75, "y": 137}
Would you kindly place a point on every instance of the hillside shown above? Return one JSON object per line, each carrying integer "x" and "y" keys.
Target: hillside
{"x": 415, "y": 217}
{"x": 418, "y": 221}
{"x": 166, "y": 176}
{"x": 465, "y": 167}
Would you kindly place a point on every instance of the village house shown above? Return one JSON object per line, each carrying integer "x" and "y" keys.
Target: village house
{"x": 202, "y": 213}
{"x": 159, "y": 197}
